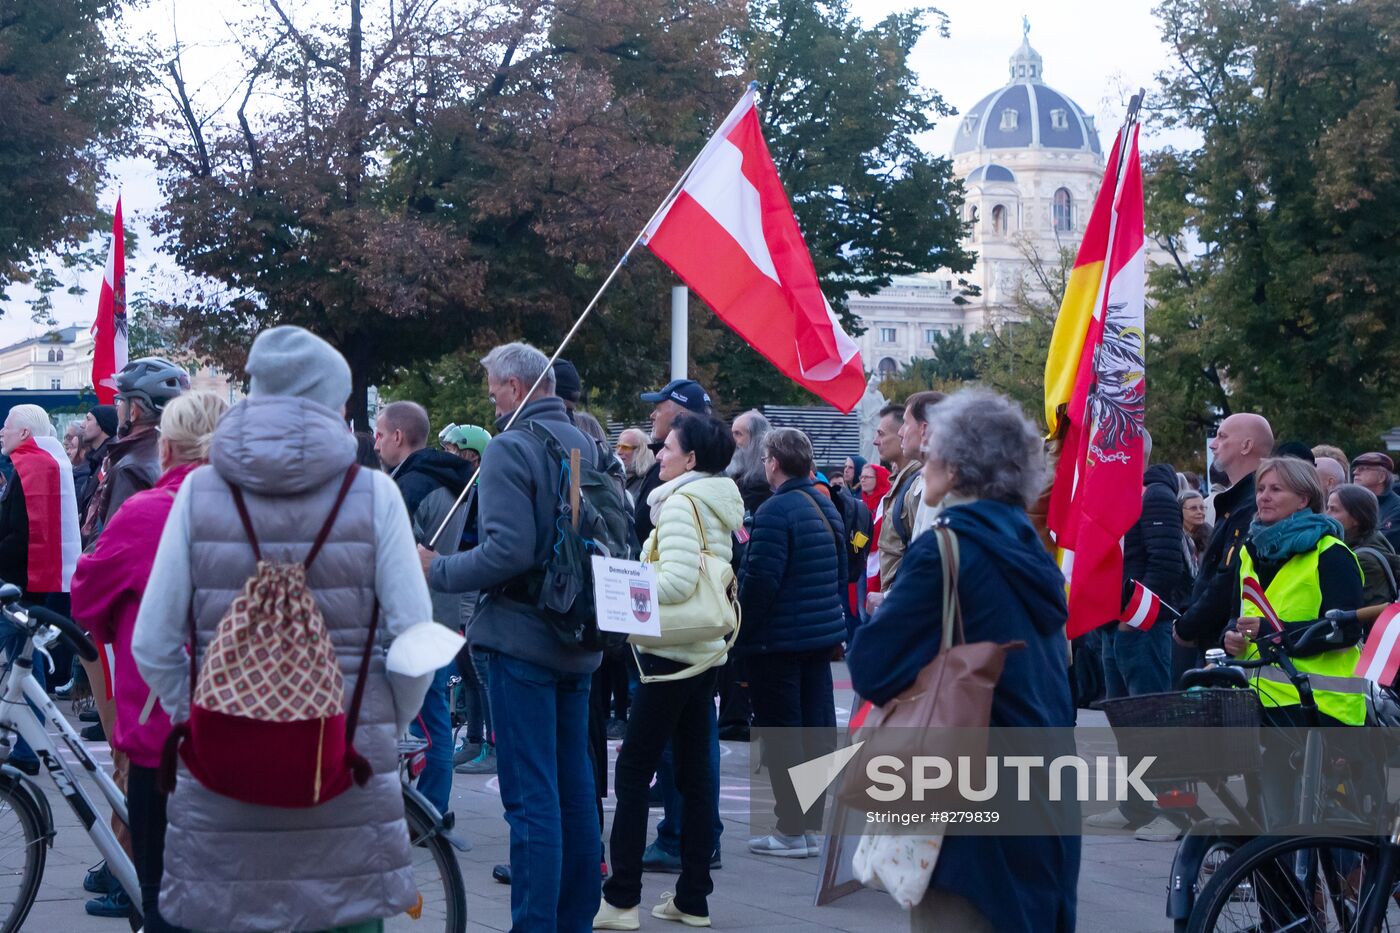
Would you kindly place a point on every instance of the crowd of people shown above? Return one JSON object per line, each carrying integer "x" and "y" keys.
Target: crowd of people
{"x": 180, "y": 496}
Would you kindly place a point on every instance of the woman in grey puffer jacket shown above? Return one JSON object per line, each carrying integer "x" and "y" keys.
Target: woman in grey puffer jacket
{"x": 234, "y": 866}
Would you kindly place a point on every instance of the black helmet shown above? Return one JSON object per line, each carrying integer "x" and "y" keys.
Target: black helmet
{"x": 152, "y": 380}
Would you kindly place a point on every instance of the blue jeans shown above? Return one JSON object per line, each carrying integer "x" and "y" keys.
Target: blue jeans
{"x": 12, "y": 643}
{"x": 435, "y": 782}
{"x": 668, "y": 831}
{"x": 547, "y": 787}
{"x": 1136, "y": 662}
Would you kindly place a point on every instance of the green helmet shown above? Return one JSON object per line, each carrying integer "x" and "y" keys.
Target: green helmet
{"x": 466, "y": 437}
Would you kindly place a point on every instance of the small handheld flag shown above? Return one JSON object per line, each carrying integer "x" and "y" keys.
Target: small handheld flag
{"x": 1145, "y": 608}
{"x": 1380, "y": 659}
{"x": 1252, "y": 593}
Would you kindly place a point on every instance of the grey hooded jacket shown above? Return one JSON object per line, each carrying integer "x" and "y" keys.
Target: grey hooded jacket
{"x": 519, "y": 506}
{"x": 232, "y": 866}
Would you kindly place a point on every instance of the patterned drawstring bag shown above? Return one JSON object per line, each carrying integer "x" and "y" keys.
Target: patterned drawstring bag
{"x": 267, "y": 722}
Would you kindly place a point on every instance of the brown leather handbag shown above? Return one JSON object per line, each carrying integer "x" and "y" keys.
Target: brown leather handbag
{"x": 947, "y": 710}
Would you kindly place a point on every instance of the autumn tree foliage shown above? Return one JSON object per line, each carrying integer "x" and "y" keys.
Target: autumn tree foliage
{"x": 416, "y": 178}
{"x": 69, "y": 102}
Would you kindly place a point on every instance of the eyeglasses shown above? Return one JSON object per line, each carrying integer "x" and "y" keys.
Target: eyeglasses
{"x": 626, "y": 448}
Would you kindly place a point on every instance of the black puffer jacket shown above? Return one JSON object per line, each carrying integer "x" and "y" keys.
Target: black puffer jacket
{"x": 794, "y": 577}
{"x": 1218, "y": 580}
{"x": 1152, "y": 552}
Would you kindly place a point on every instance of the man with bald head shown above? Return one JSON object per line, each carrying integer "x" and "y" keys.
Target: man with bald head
{"x": 1240, "y": 443}
{"x": 1331, "y": 474}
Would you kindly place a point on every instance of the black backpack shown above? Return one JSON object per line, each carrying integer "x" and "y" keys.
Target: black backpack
{"x": 563, "y": 587}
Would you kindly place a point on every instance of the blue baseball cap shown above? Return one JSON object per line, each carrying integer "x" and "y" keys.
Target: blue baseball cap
{"x": 686, "y": 393}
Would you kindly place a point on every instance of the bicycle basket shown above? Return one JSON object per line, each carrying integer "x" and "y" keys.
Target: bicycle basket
{"x": 1194, "y": 734}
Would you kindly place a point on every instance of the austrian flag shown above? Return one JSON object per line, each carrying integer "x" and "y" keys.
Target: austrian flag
{"x": 1252, "y": 599}
{"x": 1380, "y": 659}
{"x": 731, "y": 235}
{"x": 46, "y": 481}
{"x": 1145, "y": 608}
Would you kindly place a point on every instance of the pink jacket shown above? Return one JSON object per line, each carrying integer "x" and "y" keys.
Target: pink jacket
{"x": 107, "y": 590}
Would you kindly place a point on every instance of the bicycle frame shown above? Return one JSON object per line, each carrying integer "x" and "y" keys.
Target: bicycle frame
{"x": 16, "y": 716}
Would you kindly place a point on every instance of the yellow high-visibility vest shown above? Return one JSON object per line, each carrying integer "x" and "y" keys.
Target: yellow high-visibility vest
{"x": 1296, "y": 596}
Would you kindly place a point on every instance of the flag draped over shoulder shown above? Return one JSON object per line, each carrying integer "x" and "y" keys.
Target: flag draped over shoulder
{"x": 731, "y": 235}
{"x": 46, "y": 479}
{"x": 109, "y": 336}
{"x": 1095, "y": 392}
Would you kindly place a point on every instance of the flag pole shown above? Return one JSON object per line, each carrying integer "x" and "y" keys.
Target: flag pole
{"x": 666, "y": 203}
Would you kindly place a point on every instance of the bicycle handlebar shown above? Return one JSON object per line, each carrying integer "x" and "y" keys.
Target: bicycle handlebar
{"x": 1339, "y": 628}
{"x": 68, "y": 629}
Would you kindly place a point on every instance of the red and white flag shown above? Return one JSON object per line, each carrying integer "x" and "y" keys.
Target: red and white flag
{"x": 1252, "y": 595}
{"x": 109, "y": 339}
{"x": 46, "y": 479}
{"x": 1097, "y": 492}
{"x": 1145, "y": 608}
{"x": 731, "y": 235}
{"x": 1380, "y": 659}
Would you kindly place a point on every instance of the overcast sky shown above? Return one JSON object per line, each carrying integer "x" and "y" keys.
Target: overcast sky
{"x": 1096, "y": 51}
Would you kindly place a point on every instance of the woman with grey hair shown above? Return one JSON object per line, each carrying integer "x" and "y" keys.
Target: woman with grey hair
{"x": 985, "y": 462}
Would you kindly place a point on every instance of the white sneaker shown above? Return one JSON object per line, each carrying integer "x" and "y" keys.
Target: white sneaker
{"x": 780, "y": 845}
{"x": 814, "y": 844}
{"x": 617, "y": 918}
{"x": 667, "y": 910}
{"x": 1112, "y": 819}
{"x": 1160, "y": 829}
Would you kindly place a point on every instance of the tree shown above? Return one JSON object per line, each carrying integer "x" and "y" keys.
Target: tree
{"x": 292, "y": 211}
{"x": 1294, "y": 196}
{"x": 447, "y": 177}
{"x": 71, "y": 102}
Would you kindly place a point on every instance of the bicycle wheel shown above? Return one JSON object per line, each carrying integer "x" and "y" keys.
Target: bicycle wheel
{"x": 22, "y": 854}
{"x": 437, "y": 876}
{"x": 1309, "y": 884}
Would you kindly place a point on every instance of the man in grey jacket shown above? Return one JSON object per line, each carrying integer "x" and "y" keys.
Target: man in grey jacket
{"x": 430, "y": 481}
{"x": 539, "y": 684}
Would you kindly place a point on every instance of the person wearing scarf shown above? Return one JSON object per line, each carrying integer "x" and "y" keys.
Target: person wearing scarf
{"x": 1299, "y": 558}
{"x": 874, "y": 484}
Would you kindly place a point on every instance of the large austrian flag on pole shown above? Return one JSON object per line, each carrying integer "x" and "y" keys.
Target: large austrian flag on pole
{"x": 109, "y": 336}
{"x": 1099, "y": 349}
{"x": 730, "y": 234}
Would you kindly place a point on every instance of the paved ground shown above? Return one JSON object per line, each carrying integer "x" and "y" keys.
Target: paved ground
{"x": 1120, "y": 890}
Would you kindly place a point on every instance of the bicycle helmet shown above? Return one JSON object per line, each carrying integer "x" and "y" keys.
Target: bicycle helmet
{"x": 468, "y": 437}
{"x": 153, "y": 381}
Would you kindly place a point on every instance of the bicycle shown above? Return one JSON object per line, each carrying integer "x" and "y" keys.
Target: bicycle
{"x": 1315, "y": 875}
{"x": 438, "y": 877}
{"x": 442, "y": 893}
{"x": 24, "y": 802}
{"x": 1220, "y": 697}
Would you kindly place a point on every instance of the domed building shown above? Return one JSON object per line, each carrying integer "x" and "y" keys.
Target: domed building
{"x": 1031, "y": 162}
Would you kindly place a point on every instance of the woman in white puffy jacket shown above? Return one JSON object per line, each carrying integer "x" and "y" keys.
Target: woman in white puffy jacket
{"x": 696, "y": 507}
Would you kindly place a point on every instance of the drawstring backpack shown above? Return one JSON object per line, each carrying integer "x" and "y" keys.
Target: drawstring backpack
{"x": 267, "y": 722}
